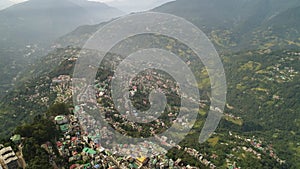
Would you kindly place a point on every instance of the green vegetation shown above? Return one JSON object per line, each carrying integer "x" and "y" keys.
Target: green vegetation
{"x": 213, "y": 141}
{"x": 235, "y": 121}
{"x": 260, "y": 53}
{"x": 58, "y": 109}
{"x": 40, "y": 131}
{"x": 269, "y": 80}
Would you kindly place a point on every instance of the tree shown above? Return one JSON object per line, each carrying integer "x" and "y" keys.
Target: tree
{"x": 58, "y": 109}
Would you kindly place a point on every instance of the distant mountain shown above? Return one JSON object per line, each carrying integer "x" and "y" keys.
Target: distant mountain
{"x": 42, "y": 21}
{"x": 78, "y": 37}
{"x": 263, "y": 84}
{"x": 5, "y": 3}
{"x": 232, "y": 23}
{"x": 282, "y": 30}
{"x": 286, "y": 20}
{"x": 226, "y": 14}
{"x": 28, "y": 29}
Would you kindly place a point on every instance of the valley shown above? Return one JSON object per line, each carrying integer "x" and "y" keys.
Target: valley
{"x": 258, "y": 43}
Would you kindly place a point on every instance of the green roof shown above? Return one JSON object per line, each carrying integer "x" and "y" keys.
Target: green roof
{"x": 58, "y": 118}
{"x": 89, "y": 151}
{"x": 88, "y": 165}
{"x": 64, "y": 127}
{"x": 16, "y": 138}
{"x": 133, "y": 165}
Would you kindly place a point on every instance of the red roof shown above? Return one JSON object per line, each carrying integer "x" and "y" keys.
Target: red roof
{"x": 73, "y": 166}
{"x": 58, "y": 144}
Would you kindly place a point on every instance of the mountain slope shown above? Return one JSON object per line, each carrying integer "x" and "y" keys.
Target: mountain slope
{"x": 263, "y": 84}
{"x": 257, "y": 94}
{"x": 279, "y": 32}
{"x": 27, "y": 30}
{"x": 41, "y": 22}
{"x": 232, "y": 24}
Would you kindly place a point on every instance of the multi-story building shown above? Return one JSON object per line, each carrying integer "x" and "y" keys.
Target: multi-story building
{"x": 8, "y": 158}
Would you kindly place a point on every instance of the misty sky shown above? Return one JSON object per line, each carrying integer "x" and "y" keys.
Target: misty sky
{"x": 134, "y": 5}
{"x": 16, "y": 1}
{"x": 124, "y": 5}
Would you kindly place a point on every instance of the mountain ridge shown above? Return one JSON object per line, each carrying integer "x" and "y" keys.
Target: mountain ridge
{"x": 262, "y": 74}
{"x": 49, "y": 19}
{"x": 28, "y": 29}
{"x": 232, "y": 25}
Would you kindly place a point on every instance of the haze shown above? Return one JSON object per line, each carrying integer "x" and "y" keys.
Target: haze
{"x": 124, "y": 5}
{"x": 134, "y": 5}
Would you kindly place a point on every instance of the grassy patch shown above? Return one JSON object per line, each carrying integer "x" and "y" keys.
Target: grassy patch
{"x": 202, "y": 112}
{"x": 213, "y": 141}
{"x": 235, "y": 121}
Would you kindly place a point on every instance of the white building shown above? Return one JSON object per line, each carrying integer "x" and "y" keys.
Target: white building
{"x": 8, "y": 158}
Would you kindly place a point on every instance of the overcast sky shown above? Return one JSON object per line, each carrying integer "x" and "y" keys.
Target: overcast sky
{"x": 124, "y": 5}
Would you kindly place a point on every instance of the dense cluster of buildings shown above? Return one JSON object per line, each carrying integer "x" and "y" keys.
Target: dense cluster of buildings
{"x": 62, "y": 87}
{"x": 85, "y": 151}
{"x": 200, "y": 157}
{"x": 82, "y": 142}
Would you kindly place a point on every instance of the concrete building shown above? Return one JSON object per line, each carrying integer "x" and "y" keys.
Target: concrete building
{"x": 8, "y": 158}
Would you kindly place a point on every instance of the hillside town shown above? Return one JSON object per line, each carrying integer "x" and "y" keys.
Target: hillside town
{"x": 84, "y": 151}
{"x": 80, "y": 145}
{"x": 82, "y": 148}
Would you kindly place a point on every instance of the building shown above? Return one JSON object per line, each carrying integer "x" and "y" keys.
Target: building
{"x": 61, "y": 120}
{"x": 8, "y": 158}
